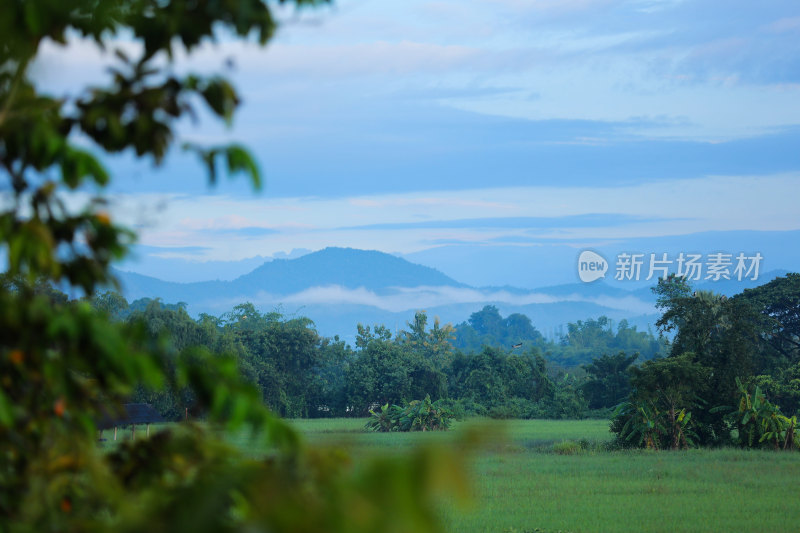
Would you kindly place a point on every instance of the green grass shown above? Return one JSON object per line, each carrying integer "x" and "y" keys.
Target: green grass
{"x": 701, "y": 490}
{"x": 520, "y": 483}
{"x": 540, "y": 475}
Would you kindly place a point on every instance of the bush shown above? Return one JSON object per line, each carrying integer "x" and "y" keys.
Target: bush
{"x": 502, "y": 412}
{"x": 417, "y": 415}
{"x": 461, "y": 408}
{"x": 517, "y": 408}
{"x": 567, "y": 447}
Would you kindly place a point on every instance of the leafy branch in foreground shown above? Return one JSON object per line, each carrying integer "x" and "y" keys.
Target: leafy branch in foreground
{"x": 63, "y": 365}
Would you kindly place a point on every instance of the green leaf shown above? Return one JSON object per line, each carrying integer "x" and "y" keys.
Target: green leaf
{"x": 240, "y": 160}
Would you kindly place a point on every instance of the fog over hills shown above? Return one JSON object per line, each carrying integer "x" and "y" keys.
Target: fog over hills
{"x": 340, "y": 287}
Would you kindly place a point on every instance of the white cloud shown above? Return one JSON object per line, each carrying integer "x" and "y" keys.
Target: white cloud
{"x": 410, "y": 298}
{"x": 677, "y": 207}
{"x": 601, "y": 60}
{"x": 788, "y": 24}
{"x": 552, "y": 6}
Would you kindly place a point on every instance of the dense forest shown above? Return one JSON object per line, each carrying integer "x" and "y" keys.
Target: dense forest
{"x": 503, "y": 367}
{"x": 488, "y": 365}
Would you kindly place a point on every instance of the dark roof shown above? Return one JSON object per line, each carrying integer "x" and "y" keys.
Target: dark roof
{"x": 132, "y": 413}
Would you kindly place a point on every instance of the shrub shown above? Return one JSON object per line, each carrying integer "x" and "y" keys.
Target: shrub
{"x": 462, "y": 408}
{"x": 418, "y": 415}
{"x": 502, "y": 412}
{"x": 384, "y": 420}
{"x": 761, "y": 423}
{"x": 517, "y": 408}
{"x": 567, "y": 447}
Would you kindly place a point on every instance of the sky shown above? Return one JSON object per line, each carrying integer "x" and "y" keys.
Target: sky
{"x": 407, "y": 126}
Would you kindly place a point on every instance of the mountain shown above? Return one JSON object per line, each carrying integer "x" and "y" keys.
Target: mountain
{"x": 339, "y": 287}
{"x": 344, "y": 267}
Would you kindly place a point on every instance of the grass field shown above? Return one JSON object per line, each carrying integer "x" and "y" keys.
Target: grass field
{"x": 520, "y": 483}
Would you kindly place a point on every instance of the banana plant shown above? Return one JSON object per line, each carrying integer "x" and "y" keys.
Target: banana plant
{"x": 682, "y": 434}
{"x": 418, "y": 415}
{"x": 385, "y": 419}
{"x": 643, "y": 426}
{"x": 762, "y": 423}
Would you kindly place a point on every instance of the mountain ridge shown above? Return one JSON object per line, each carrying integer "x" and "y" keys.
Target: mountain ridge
{"x": 339, "y": 287}
{"x": 346, "y": 267}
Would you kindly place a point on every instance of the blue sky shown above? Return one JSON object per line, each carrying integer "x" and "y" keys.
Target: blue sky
{"x": 407, "y": 125}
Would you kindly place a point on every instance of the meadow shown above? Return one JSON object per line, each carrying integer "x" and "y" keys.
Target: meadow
{"x": 521, "y": 483}
{"x": 552, "y": 475}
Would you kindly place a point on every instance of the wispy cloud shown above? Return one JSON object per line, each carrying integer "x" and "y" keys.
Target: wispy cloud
{"x": 527, "y": 223}
{"x": 173, "y": 251}
{"x": 605, "y": 60}
{"x": 410, "y": 221}
{"x": 427, "y": 297}
{"x": 787, "y": 24}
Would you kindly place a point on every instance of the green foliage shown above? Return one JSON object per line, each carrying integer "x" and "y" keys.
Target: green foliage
{"x": 608, "y": 382}
{"x": 365, "y": 336}
{"x": 717, "y": 340}
{"x": 566, "y": 401}
{"x": 300, "y": 374}
{"x": 645, "y": 424}
{"x": 761, "y": 423}
{"x": 665, "y": 393}
{"x": 65, "y": 364}
{"x": 433, "y": 344}
{"x": 487, "y": 328}
{"x": 493, "y": 376}
{"x": 783, "y": 386}
{"x": 584, "y": 340}
{"x": 722, "y": 334}
{"x": 385, "y": 420}
{"x": 417, "y": 415}
{"x": 778, "y": 307}
{"x": 389, "y": 372}
{"x": 462, "y": 408}
{"x": 567, "y": 447}
{"x": 637, "y": 424}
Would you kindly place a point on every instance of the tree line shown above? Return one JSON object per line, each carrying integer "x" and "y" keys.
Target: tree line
{"x": 513, "y": 373}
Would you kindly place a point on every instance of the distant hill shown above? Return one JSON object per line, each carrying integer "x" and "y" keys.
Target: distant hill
{"x": 340, "y": 287}
{"x": 345, "y": 267}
